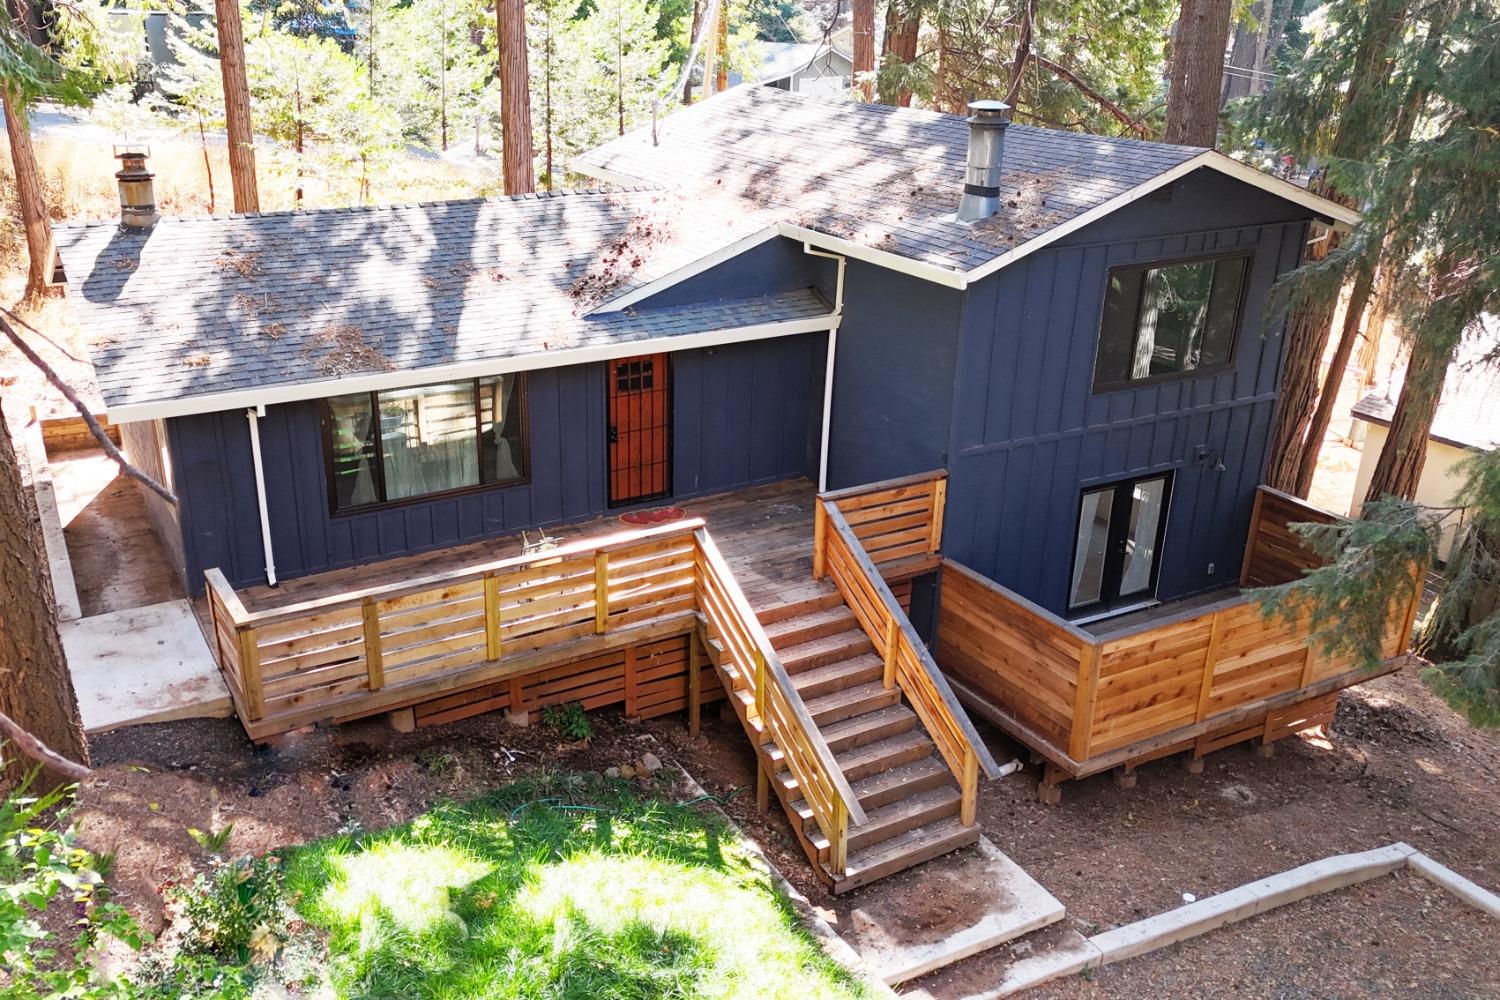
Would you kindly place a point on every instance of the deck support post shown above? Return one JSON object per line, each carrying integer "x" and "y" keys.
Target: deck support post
{"x": 1049, "y": 789}
{"x": 892, "y": 631}
{"x": 838, "y": 838}
{"x": 969, "y": 806}
{"x": 1125, "y": 777}
{"x": 255, "y": 699}
{"x": 762, "y": 784}
{"x": 695, "y": 684}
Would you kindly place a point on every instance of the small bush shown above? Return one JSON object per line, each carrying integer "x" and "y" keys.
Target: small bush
{"x": 568, "y": 720}
{"x": 236, "y": 910}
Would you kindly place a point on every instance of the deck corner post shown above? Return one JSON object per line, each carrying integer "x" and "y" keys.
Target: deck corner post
{"x": 255, "y": 698}
{"x": 820, "y": 539}
{"x": 374, "y": 659}
{"x": 1083, "y": 702}
{"x": 939, "y": 501}
{"x": 601, "y": 592}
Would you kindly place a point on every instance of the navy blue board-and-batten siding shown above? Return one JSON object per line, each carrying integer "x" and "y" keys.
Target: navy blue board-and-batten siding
{"x": 1029, "y": 432}
{"x": 742, "y": 414}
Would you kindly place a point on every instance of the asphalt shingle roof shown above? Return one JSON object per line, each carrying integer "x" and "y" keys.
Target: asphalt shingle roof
{"x": 887, "y": 178}
{"x": 198, "y": 306}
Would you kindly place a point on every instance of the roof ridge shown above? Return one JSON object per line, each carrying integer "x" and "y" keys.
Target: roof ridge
{"x": 497, "y": 199}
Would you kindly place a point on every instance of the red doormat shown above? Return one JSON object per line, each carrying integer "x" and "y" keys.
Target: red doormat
{"x": 656, "y": 515}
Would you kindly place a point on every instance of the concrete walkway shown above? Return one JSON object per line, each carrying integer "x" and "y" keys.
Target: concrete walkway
{"x": 146, "y": 664}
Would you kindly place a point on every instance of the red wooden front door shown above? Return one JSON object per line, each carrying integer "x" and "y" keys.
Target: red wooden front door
{"x": 640, "y": 429}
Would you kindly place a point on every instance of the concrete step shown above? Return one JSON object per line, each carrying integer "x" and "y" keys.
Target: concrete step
{"x": 838, "y": 676}
{"x": 905, "y": 851}
{"x": 825, "y": 650}
{"x": 810, "y": 626}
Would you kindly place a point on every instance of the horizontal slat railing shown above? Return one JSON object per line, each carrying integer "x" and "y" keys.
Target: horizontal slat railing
{"x": 782, "y": 715}
{"x": 840, "y": 554}
{"x": 324, "y": 658}
{"x": 324, "y": 655}
{"x": 898, "y": 522}
{"x": 1080, "y": 698}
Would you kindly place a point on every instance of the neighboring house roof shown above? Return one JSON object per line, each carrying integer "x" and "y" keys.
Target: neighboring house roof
{"x": 203, "y": 314}
{"x": 783, "y": 59}
{"x": 883, "y": 183}
{"x": 1468, "y": 415}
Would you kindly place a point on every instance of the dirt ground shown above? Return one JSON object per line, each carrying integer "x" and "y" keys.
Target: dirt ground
{"x": 1399, "y": 765}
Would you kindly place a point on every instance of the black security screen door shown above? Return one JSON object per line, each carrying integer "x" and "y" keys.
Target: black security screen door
{"x": 1117, "y": 551}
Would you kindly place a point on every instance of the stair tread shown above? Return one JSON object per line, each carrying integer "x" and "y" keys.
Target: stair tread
{"x": 889, "y": 747}
{"x": 893, "y": 813}
{"x": 853, "y": 666}
{"x": 927, "y": 770}
{"x": 826, "y": 597}
{"x": 852, "y": 640}
{"x": 863, "y": 723}
{"x": 874, "y": 693}
{"x": 780, "y": 629}
{"x": 923, "y": 842}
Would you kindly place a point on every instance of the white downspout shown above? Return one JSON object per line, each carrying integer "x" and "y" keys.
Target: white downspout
{"x": 254, "y": 416}
{"x": 833, "y": 345}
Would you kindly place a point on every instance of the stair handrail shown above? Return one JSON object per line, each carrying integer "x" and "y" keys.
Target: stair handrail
{"x": 830, "y": 774}
{"x": 895, "y": 637}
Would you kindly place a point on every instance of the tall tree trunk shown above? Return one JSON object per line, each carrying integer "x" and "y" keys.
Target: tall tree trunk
{"x": 721, "y": 45}
{"x": 36, "y": 690}
{"x": 863, "y": 12}
{"x": 1399, "y": 468}
{"x": 1195, "y": 71}
{"x": 237, "y": 106}
{"x": 1023, "y": 54}
{"x": 687, "y": 82}
{"x": 903, "y": 25}
{"x": 1380, "y": 311}
{"x": 1306, "y": 340}
{"x": 515, "y": 98}
{"x": 1317, "y": 429}
{"x": 29, "y": 196}
{"x": 711, "y": 45}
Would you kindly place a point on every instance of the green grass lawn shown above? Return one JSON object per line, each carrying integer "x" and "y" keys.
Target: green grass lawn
{"x": 544, "y": 889}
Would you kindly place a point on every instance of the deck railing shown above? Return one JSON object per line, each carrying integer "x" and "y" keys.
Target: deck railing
{"x": 777, "y": 709}
{"x": 369, "y": 650}
{"x": 1089, "y": 702}
{"x": 899, "y": 523}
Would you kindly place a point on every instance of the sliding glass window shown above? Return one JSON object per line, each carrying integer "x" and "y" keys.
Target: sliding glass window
{"x": 406, "y": 443}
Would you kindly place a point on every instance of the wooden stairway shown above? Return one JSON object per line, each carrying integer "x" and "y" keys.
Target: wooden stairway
{"x": 908, "y": 793}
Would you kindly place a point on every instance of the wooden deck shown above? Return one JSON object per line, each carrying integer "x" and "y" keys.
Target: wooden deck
{"x": 1194, "y": 676}
{"x": 765, "y": 533}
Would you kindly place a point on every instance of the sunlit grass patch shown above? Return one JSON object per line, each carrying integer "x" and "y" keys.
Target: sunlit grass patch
{"x": 537, "y": 891}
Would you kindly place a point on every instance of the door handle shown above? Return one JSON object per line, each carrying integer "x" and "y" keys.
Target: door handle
{"x": 614, "y": 434}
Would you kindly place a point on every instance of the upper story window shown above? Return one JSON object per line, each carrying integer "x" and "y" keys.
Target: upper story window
{"x": 406, "y": 443}
{"x": 1162, "y": 320}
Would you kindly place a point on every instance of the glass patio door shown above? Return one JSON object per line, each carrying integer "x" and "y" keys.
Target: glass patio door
{"x": 1117, "y": 550}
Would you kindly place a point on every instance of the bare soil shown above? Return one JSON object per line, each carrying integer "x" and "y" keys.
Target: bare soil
{"x": 1399, "y": 765}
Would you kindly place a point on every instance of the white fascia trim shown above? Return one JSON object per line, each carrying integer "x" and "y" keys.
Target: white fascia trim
{"x": 1210, "y": 159}
{"x": 906, "y": 265}
{"x": 270, "y": 396}
{"x": 605, "y": 174}
{"x": 685, "y": 272}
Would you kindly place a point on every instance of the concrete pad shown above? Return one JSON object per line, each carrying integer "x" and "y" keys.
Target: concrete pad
{"x": 941, "y": 912}
{"x": 1018, "y": 965}
{"x": 146, "y": 664}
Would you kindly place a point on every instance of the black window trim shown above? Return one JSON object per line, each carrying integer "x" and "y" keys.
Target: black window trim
{"x": 326, "y": 418}
{"x": 1177, "y": 376}
{"x": 1104, "y": 605}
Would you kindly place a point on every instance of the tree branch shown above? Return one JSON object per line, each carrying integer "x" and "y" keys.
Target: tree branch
{"x": 40, "y": 752}
{"x": 1114, "y": 109}
{"x": 83, "y": 410}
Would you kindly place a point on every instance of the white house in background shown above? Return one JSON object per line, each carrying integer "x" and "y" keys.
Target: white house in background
{"x": 819, "y": 68}
{"x": 1468, "y": 420}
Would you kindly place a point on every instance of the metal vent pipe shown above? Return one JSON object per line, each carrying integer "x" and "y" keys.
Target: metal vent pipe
{"x": 987, "y": 125}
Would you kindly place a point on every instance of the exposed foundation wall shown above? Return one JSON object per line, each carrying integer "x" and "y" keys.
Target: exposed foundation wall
{"x": 145, "y": 445}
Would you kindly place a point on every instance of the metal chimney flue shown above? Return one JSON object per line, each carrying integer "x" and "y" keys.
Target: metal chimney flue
{"x": 987, "y": 125}
{"x": 137, "y": 193}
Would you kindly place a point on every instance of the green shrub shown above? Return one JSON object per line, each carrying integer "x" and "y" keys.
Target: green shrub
{"x": 235, "y": 911}
{"x": 42, "y": 874}
{"x": 568, "y": 720}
